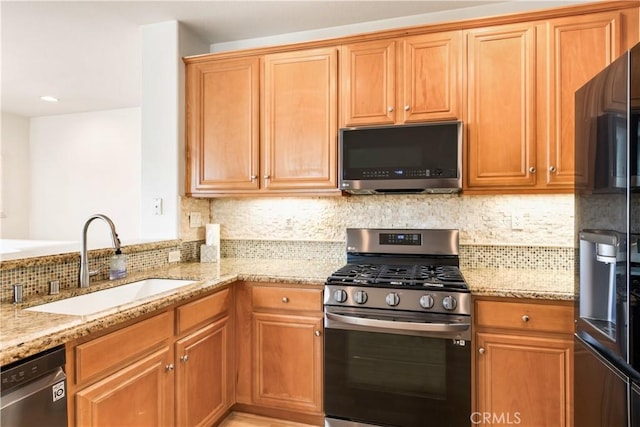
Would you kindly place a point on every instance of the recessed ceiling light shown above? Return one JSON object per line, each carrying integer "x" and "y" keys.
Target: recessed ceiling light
{"x": 49, "y": 98}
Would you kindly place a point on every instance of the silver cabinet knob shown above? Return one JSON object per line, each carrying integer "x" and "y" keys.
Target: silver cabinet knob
{"x": 481, "y": 350}
{"x": 317, "y": 333}
{"x": 169, "y": 367}
{"x": 406, "y": 108}
{"x": 267, "y": 176}
{"x": 390, "y": 109}
{"x": 532, "y": 169}
{"x": 254, "y": 177}
{"x": 184, "y": 358}
{"x": 552, "y": 169}
{"x": 285, "y": 300}
{"x": 525, "y": 318}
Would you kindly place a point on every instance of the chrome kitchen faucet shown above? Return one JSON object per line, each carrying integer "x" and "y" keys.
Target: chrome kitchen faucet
{"x": 84, "y": 263}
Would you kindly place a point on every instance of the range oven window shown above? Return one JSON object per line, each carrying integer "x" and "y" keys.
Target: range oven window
{"x": 411, "y": 367}
{"x": 396, "y": 380}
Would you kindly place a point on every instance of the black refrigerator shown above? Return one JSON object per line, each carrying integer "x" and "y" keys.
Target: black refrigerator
{"x": 607, "y": 209}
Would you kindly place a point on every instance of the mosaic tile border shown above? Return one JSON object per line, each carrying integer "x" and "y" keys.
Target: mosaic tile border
{"x": 471, "y": 256}
{"x": 525, "y": 257}
{"x": 35, "y": 277}
{"x": 283, "y": 249}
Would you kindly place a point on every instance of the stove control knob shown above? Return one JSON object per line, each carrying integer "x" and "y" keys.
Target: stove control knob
{"x": 426, "y": 301}
{"x": 449, "y": 303}
{"x": 340, "y": 295}
{"x": 360, "y": 297}
{"x": 393, "y": 299}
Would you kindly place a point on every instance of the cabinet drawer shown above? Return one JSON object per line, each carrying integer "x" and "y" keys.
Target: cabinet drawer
{"x": 285, "y": 298}
{"x": 120, "y": 348}
{"x": 202, "y": 310}
{"x": 524, "y": 316}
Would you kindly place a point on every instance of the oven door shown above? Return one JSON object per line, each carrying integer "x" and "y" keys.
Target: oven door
{"x": 388, "y": 368}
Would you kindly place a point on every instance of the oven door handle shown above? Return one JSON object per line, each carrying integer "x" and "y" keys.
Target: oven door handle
{"x": 405, "y": 326}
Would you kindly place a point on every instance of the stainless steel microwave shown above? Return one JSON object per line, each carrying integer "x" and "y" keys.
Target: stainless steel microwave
{"x": 416, "y": 158}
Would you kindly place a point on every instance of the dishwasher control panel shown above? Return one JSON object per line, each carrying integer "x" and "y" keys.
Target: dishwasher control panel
{"x": 30, "y": 368}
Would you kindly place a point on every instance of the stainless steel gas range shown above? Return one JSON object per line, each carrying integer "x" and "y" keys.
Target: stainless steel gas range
{"x": 398, "y": 332}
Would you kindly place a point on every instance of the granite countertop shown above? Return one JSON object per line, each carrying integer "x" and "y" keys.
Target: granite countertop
{"x": 23, "y": 333}
{"x": 521, "y": 283}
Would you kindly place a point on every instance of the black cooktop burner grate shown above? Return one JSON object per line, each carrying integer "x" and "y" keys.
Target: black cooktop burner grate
{"x": 440, "y": 276}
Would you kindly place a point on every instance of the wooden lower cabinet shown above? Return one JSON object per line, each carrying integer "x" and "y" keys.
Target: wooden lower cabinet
{"x": 287, "y": 360}
{"x": 202, "y": 386}
{"x": 173, "y": 368}
{"x": 279, "y": 343}
{"x": 139, "y": 395}
{"x": 524, "y": 357}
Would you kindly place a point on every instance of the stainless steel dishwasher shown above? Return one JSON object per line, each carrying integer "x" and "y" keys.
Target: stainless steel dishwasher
{"x": 33, "y": 391}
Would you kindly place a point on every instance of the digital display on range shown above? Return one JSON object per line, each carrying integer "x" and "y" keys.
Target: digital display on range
{"x": 408, "y": 239}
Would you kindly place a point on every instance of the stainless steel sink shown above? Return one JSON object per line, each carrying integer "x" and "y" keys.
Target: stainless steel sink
{"x": 112, "y": 298}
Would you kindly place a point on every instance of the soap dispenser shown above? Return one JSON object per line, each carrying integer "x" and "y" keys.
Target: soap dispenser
{"x": 117, "y": 266}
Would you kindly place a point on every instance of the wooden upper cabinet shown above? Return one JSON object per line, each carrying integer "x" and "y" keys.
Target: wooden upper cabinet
{"x": 432, "y": 76}
{"x": 501, "y": 99}
{"x": 222, "y": 146}
{"x": 577, "y": 49}
{"x": 368, "y": 83}
{"x": 520, "y": 111}
{"x": 299, "y": 146}
{"x": 265, "y": 121}
{"x": 412, "y": 79}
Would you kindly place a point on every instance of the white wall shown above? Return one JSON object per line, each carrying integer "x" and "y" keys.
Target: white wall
{"x": 163, "y": 125}
{"x": 83, "y": 164}
{"x": 14, "y": 180}
{"x": 499, "y": 8}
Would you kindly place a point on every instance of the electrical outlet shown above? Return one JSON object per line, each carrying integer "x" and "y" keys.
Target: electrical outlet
{"x": 195, "y": 219}
{"x": 517, "y": 221}
{"x": 174, "y": 256}
{"x": 157, "y": 206}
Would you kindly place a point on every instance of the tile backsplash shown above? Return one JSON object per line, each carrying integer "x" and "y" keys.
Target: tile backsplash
{"x": 36, "y": 273}
{"x": 547, "y": 220}
{"x": 313, "y": 228}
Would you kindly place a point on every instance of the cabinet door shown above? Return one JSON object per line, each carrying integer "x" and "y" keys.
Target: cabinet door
{"x": 578, "y": 48}
{"x": 524, "y": 380}
{"x": 300, "y": 120}
{"x": 222, "y": 125}
{"x": 287, "y": 361}
{"x": 139, "y": 395}
{"x": 432, "y": 76}
{"x": 368, "y": 83}
{"x": 500, "y": 75}
{"x": 202, "y": 375}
